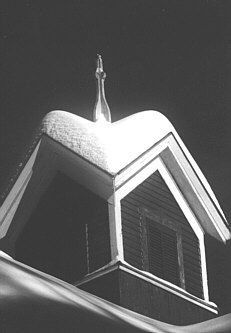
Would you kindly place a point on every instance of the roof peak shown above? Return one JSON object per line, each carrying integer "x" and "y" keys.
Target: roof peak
{"x": 101, "y": 109}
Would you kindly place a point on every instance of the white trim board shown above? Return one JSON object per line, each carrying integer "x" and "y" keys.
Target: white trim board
{"x": 188, "y": 189}
{"x": 129, "y": 186}
{"x": 10, "y": 205}
{"x": 169, "y": 287}
{"x": 146, "y": 276}
{"x": 80, "y": 170}
{"x": 194, "y": 187}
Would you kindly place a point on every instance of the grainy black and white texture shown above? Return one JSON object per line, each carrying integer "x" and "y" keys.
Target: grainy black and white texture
{"x": 168, "y": 55}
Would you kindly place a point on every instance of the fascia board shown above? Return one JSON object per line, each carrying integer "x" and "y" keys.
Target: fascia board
{"x": 46, "y": 160}
{"x": 10, "y": 205}
{"x": 198, "y": 172}
{"x": 188, "y": 177}
{"x": 196, "y": 189}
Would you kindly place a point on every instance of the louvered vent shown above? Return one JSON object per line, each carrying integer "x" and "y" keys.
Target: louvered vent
{"x": 155, "y": 196}
{"x": 162, "y": 252}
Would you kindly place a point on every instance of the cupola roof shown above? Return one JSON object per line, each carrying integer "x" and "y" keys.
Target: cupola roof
{"x": 110, "y": 146}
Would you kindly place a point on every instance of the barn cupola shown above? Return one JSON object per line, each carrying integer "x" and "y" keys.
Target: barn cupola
{"x": 118, "y": 209}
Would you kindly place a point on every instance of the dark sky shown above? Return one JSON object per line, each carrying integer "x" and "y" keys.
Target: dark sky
{"x": 170, "y": 56}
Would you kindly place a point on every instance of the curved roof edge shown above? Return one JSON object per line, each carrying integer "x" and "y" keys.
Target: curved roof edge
{"x": 70, "y": 307}
{"x": 112, "y": 146}
{"x": 109, "y": 146}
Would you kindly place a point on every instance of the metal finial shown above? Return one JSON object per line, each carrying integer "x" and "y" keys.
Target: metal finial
{"x": 99, "y": 62}
{"x": 101, "y": 109}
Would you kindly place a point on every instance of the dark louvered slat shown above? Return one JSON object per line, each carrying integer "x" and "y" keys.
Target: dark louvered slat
{"x": 155, "y": 251}
{"x": 171, "y": 270}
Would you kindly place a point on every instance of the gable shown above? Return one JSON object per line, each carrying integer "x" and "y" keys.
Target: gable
{"x": 61, "y": 236}
{"x": 162, "y": 252}
{"x": 153, "y": 197}
{"x": 103, "y": 157}
{"x": 183, "y": 177}
{"x": 156, "y": 206}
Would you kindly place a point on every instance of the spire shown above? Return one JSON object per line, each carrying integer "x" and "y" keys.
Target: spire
{"x": 101, "y": 109}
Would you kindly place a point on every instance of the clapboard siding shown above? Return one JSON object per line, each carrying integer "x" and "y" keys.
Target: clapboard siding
{"x": 156, "y": 191}
{"x": 150, "y": 300}
{"x": 131, "y": 224}
{"x": 130, "y": 231}
{"x": 154, "y": 201}
{"x": 154, "y": 195}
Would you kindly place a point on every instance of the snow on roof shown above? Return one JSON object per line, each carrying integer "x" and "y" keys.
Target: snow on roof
{"x": 113, "y": 146}
{"x": 32, "y": 301}
{"x": 110, "y": 146}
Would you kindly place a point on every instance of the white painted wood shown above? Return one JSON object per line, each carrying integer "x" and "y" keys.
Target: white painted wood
{"x": 180, "y": 199}
{"x": 168, "y": 155}
{"x": 131, "y": 183}
{"x": 80, "y": 170}
{"x": 145, "y": 172}
{"x": 116, "y": 237}
{"x": 194, "y": 223}
{"x": 136, "y": 166}
{"x": 202, "y": 190}
{"x": 146, "y": 276}
{"x": 168, "y": 286}
{"x": 204, "y": 269}
{"x": 195, "y": 188}
{"x": 12, "y": 210}
{"x": 10, "y": 205}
